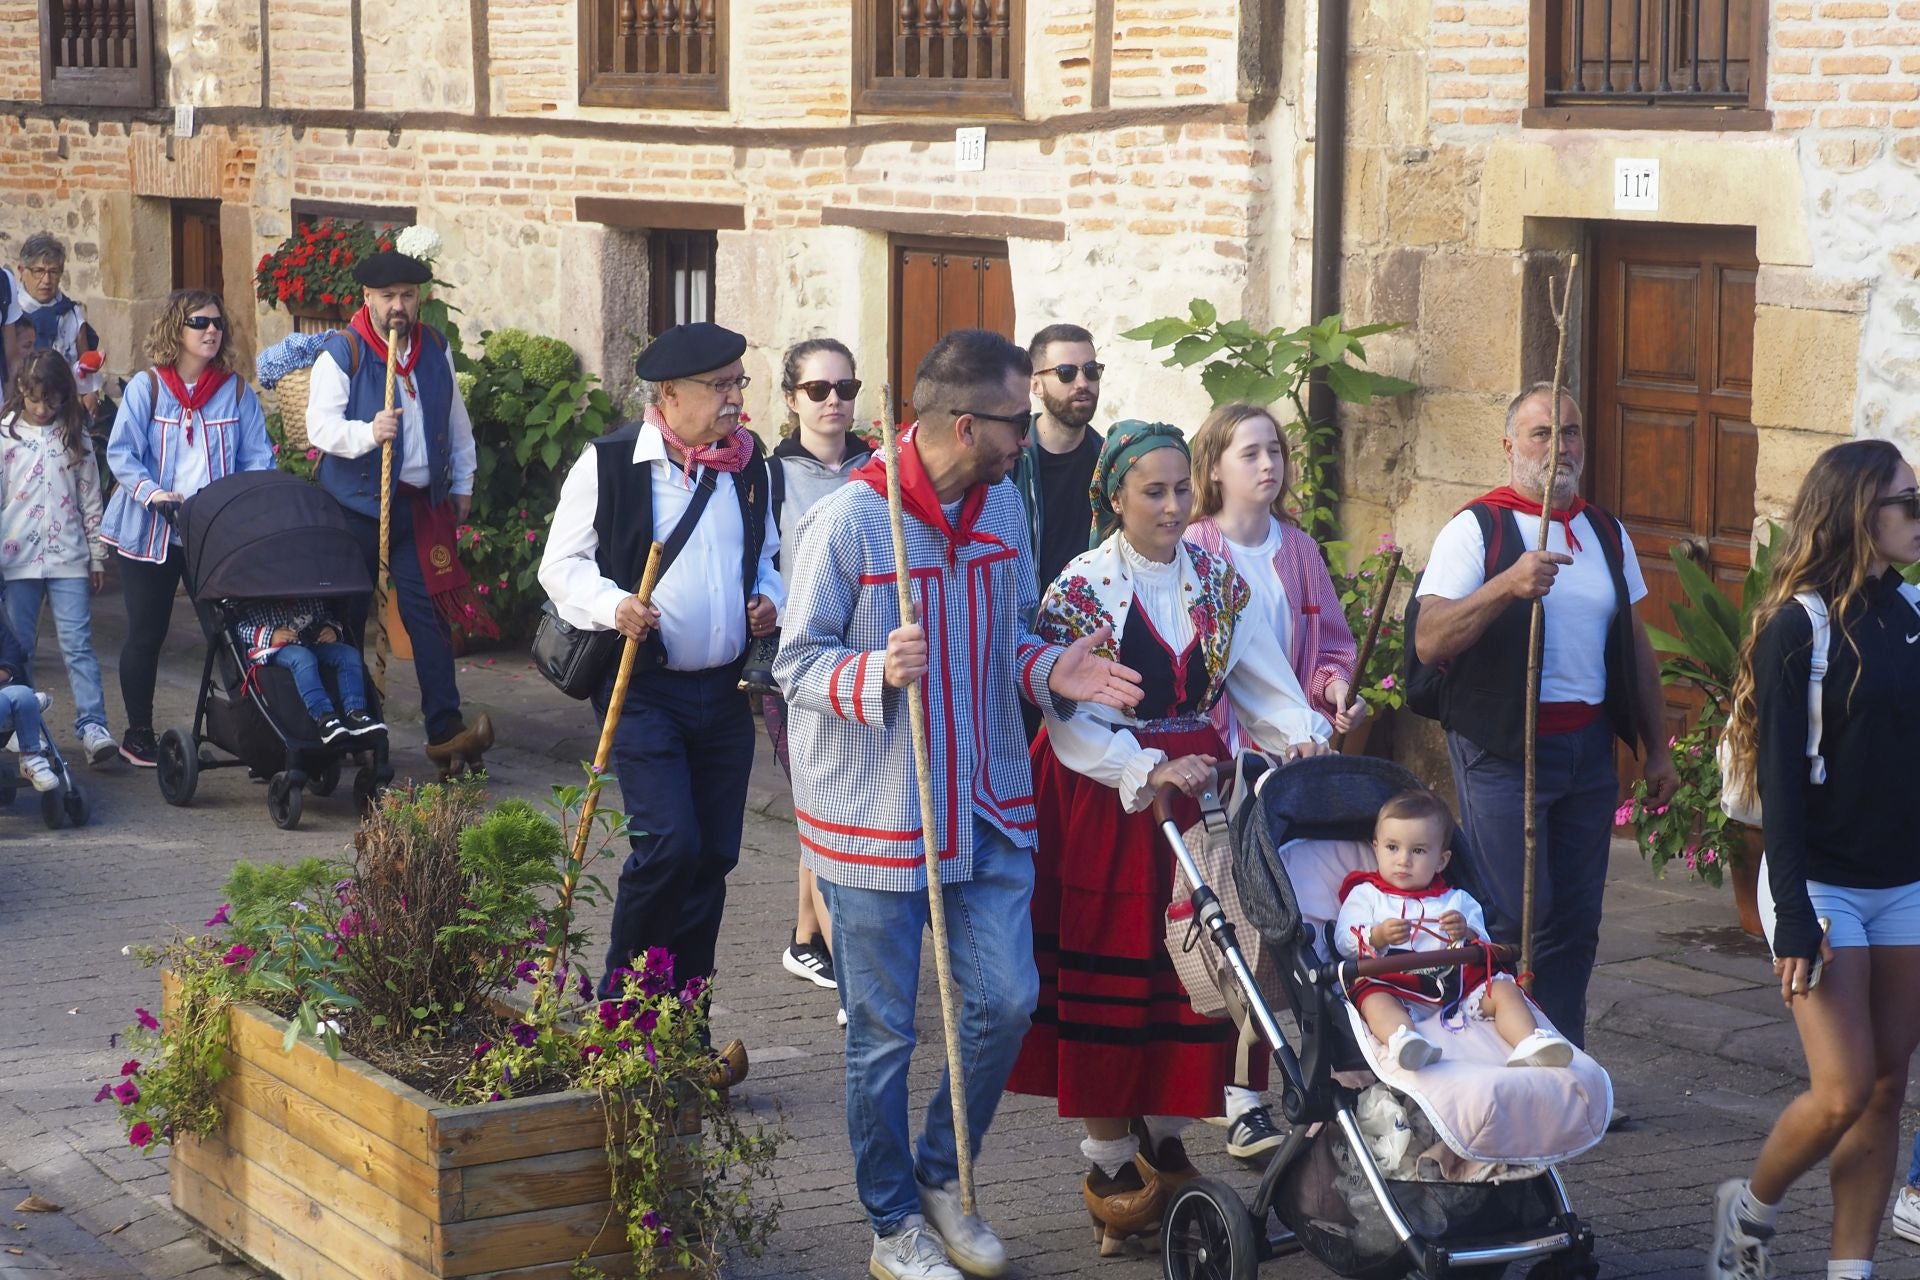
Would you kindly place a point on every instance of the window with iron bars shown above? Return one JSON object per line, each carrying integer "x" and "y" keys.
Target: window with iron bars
{"x": 1649, "y": 63}
{"x": 950, "y": 57}
{"x": 96, "y": 53}
{"x": 654, "y": 53}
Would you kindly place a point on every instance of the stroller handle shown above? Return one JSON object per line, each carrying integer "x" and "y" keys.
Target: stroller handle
{"x": 1164, "y": 796}
{"x": 1348, "y": 971}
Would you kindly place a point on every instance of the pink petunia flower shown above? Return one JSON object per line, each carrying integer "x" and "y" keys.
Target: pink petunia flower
{"x": 146, "y": 1020}
{"x": 141, "y": 1134}
{"x": 220, "y": 916}
{"x": 238, "y": 955}
{"x": 126, "y": 1093}
{"x": 1623, "y": 815}
{"x": 131, "y": 1067}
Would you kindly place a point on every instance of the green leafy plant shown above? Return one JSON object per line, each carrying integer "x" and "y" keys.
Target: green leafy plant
{"x": 1711, "y": 626}
{"x": 299, "y": 462}
{"x": 1262, "y": 366}
{"x": 1379, "y": 684}
{"x": 1690, "y": 828}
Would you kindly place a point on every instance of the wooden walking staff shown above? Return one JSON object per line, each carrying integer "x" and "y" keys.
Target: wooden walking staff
{"x": 1390, "y": 576}
{"x": 929, "y": 837}
{"x": 1538, "y": 628}
{"x": 382, "y": 580}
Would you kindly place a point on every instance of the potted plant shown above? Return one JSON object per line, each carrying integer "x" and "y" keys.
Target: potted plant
{"x": 1705, "y": 653}
{"x": 391, "y": 1065}
{"x": 1379, "y": 683}
{"x": 311, "y": 271}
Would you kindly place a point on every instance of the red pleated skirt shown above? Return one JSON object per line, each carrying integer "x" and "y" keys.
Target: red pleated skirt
{"x": 1113, "y": 1034}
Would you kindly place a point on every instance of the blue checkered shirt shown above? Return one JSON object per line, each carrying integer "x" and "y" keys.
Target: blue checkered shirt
{"x": 854, "y": 792}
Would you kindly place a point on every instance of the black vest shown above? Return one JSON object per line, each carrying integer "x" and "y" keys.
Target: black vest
{"x": 1483, "y": 693}
{"x": 623, "y": 522}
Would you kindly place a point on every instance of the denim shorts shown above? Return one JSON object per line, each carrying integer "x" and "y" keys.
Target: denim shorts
{"x": 1858, "y": 917}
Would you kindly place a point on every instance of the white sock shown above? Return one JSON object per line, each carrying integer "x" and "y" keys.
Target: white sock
{"x": 1239, "y": 1102}
{"x": 1849, "y": 1268}
{"x": 1110, "y": 1155}
{"x": 1160, "y": 1128}
{"x": 1752, "y": 1212}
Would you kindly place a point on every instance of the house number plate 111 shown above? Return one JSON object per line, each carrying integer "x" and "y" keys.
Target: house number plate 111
{"x": 1636, "y": 185}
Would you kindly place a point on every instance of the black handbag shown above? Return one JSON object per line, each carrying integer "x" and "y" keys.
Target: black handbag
{"x": 575, "y": 660}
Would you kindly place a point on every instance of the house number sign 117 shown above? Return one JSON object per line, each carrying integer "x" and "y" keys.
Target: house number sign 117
{"x": 1636, "y": 185}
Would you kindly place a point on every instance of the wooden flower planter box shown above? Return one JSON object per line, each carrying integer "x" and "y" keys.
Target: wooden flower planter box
{"x": 329, "y": 1169}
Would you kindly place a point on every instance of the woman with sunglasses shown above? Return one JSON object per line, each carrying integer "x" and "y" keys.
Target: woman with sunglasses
{"x": 817, "y": 455}
{"x": 183, "y": 424}
{"x": 1840, "y": 887}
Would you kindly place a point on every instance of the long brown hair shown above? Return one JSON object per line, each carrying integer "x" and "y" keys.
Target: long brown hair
{"x": 1210, "y": 445}
{"x": 1828, "y": 549}
{"x": 163, "y": 339}
{"x": 45, "y": 376}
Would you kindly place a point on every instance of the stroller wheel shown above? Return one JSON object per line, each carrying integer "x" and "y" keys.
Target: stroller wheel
{"x": 284, "y": 801}
{"x": 53, "y": 807}
{"x": 1208, "y": 1235}
{"x": 79, "y": 811}
{"x": 366, "y": 790}
{"x": 324, "y": 783}
{"x": 178, "y": 767}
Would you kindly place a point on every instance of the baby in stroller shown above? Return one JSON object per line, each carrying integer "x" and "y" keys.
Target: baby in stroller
{"x": 20, "y": 709}
{"x": 304, "y": 637}
{"x": 1406, "y": 905}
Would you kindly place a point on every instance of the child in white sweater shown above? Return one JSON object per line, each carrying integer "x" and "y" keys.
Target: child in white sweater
{"x": 1408, "y": 906}
{"x": 50, "y": 547}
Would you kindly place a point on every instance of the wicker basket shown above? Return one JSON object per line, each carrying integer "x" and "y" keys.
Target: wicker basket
{"x": 291, "y": 394}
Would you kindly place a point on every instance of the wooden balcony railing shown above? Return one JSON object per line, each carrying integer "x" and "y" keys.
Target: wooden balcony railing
{"x": 1706, "y": 57}
{"x": 97, "y": 53}
{"x": 654, "y": 53}
{"x": 921, "y": 56}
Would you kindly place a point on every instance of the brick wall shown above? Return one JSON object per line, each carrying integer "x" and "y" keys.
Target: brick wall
{"x": 20, "y": 50}
{"x": 311, "y": 46}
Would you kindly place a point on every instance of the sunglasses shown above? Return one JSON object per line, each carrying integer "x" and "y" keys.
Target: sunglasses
{"x": 206, "y": 322}
{"x": 1022, "y": 421}
{"x": 1911, "y": 501}
{"x": 1067, "y": 372}
{"x": 845, "y": 388}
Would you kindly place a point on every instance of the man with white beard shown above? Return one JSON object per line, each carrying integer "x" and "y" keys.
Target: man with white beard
{"x": 1599, "y": 680}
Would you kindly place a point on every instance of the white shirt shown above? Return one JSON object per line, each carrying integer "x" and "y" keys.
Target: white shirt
{"x": 1578, "y": 609}
{"x": 703, "y": 620}
{"x": 331, "y": 431}
{"x": 1367, "y": 905}
{"x": 49, "y": 507}
{"x": 1257, "y": 566}
{"x": 192, "y": 472}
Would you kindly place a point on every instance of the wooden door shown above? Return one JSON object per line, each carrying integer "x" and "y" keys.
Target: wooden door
{"x": 940, "y": 286}
{"x": 196, "y": 245}
{"x": 1670, "y": 378}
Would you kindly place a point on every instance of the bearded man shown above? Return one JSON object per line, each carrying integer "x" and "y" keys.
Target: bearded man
{"x": 1598, "y": 681}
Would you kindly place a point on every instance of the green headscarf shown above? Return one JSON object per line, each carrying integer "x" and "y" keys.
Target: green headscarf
{"x": 1127, "y": 443}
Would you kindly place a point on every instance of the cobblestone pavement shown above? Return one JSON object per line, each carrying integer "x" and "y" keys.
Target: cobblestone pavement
{"x": 1682, "y": 1017}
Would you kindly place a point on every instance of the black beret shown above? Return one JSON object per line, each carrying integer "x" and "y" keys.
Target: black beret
{"x": 687, "y": 349}
{"x": 386, "y": 269}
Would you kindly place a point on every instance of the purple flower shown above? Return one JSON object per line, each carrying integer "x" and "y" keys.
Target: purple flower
{"x": 650, "y": 1220}
{"x": 494, "y": 1096}
{"x": 482, "y": 1049}
{"x": 585, "y": 989}
{"x": 666, "y": 1234}
{"x": 1387, "y": 682}
{"x": 131, "y": 1067}
{"x": 106, "y": 1091}
{"x": 523, "y": 1035}
{"x": 539, "y": 927}
{"x": 609, "y": 1014}
{"x": 146, "y": 1020}
{"x": 589, "y": 1053}
{"x": 657, "y": 977}
{"x": 141, "y": 1134}
{"x": 647, "y": 1021}
{"x": 220, "y": 916}
{"x": 624, "y": 1046}
{"x": 238, "y": 955}
{"x": 617, "y": 979}
{"x": 653, "y": 1059}
{"x": 126, "y": 1093}
{"x": 506, "y": 1075}
{"x": 691, "y": 992}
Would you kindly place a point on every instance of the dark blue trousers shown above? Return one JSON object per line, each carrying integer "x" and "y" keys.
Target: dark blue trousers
{"x": 1574, "y": 794}
{"x": 427, "y": 631}
{"x": 682, "y": 753}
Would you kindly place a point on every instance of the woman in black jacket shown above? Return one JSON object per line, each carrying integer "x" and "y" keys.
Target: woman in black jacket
{"x": 1841, "y": 890}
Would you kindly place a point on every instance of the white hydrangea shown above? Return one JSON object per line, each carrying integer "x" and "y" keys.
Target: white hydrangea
{"x": 419, "y": 242}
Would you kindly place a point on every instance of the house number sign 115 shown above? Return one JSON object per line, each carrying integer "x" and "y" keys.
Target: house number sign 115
{"x": 1636, "y": 185}
{"x": 970, "y": 150}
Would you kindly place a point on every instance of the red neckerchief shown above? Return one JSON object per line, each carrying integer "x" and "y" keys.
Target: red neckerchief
{"x": 1513, "y": 500}
{"x": 729, "y": 455}
{"x": 191, "y": 402}
{"x": 1355, "y": 879}
{"x": 920, "y": 500}
{"x": 362, "y": 324}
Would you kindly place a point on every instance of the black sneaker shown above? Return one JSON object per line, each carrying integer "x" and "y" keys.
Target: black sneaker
{"x": 331, "y": 726}
{"x": 1252, "y": 1134}
{"x": 138, "y": 748}
{"x": 360, "y": 723}
{"x": 809, "y": 960}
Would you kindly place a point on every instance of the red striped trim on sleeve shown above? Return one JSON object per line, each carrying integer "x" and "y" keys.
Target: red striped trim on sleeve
{"x": 859, "y": 688}
{"x": 833, "y": 686}
{"x": 1026, "y": 674}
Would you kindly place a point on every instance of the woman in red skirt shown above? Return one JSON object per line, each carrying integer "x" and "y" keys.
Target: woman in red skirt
{"x": 1114, "y": 1038}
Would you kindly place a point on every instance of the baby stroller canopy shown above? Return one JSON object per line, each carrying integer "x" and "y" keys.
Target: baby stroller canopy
{"x": 268, "y": 535}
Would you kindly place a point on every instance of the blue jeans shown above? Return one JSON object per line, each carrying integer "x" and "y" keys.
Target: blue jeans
{"x": 1913, "y": 1166}
{"x": 20, "y": 714}
{"x": 73, "y": 622}
{"x": 876, "y": 957}
{"x": 1575, "y": 789}
{"x": 307, "y": 661}
{"x": 427, "y": 631}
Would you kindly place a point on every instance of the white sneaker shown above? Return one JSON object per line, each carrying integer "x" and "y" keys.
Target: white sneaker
{"x": 1906, "y": 1214}
{"x": 1541, "y": 1048}
{"x": 840, "y": 1016}
{"x": 911, "y": 1253}
{"x": 36, "y": 770}
{"x": 99, "y": 745}
{"x": 1410, "y": 1051}
{"x": 1736, "y": 1254}
{"x": 971, "y": 1244}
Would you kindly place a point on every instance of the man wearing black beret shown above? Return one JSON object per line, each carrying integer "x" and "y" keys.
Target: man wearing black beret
{"x": 689, "y": 476}
{"x": 433, "y": 468}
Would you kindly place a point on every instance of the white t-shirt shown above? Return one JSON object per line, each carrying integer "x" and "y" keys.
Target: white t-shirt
{"x": 1256, "y": 565}
{"x": 1579, "y": 606}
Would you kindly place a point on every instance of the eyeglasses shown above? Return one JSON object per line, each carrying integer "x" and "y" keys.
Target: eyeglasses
{"x": 725, "y": 386}
{"x": 45, "y": 273}
{"x": 206, "y": 322}
{"x": 1022, "y": 421}
{"x": 1067, "y": 372}
{"x": 845, "y": 388}
{"x": 1911, "y": 501}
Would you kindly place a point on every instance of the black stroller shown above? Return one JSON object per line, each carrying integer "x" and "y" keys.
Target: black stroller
{"x": 265, "y": 535}
{"x": 1324, "y": 1185}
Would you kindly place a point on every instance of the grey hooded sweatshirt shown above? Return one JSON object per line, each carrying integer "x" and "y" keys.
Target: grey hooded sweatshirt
{"x": 799, "y": 480}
